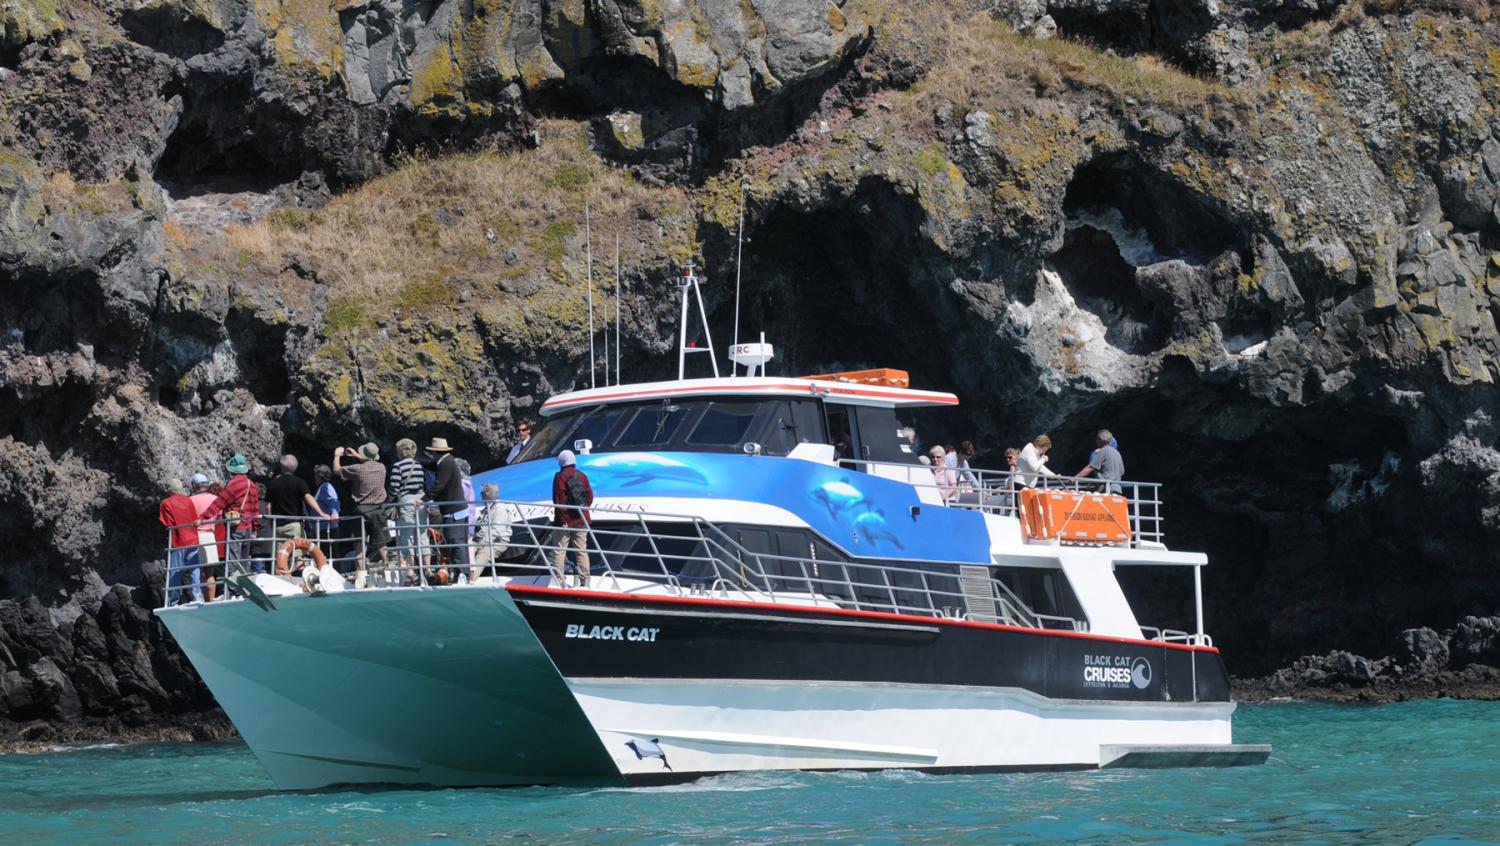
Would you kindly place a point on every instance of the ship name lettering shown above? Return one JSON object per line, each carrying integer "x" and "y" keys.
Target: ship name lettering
{"x": 1106, "y": 675}
{"x": 582, "y": 632}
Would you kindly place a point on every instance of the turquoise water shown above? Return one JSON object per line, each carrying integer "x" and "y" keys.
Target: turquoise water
{"x": 1422, "y": 772}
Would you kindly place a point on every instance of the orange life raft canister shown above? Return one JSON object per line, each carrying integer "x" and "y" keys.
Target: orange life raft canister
{"x": 1075, "y": 517}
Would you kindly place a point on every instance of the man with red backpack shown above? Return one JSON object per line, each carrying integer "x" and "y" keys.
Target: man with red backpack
{"x": 570, "y": 487}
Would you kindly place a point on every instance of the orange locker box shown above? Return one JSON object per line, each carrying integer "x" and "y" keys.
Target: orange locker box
{"x": 1071, "y": 516}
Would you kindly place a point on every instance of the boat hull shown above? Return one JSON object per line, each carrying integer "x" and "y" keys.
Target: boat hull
{"x": 442, "y": 687}
{"x": 726, "y": 725}
{"x": 471, "y": 686}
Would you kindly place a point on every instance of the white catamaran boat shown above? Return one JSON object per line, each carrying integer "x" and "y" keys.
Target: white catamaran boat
{"x": 775, "y": 582}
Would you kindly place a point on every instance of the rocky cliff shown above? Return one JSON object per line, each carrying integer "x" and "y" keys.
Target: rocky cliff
{"x": 1259, "y": 241}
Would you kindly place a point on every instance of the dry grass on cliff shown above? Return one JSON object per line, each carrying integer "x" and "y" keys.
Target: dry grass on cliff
{"x": 979, "y": 63}
{"x": 398, "y": 241}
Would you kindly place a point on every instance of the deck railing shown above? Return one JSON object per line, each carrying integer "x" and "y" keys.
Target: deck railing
{"x": 677, "y": 555}
{"x": 994, "y": 491}
{"x": 628, "y": 552}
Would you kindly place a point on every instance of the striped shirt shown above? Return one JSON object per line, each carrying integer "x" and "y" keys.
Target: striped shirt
{"x": 407, "y": 471}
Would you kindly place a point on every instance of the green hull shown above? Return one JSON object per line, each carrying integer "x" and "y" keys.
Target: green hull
{"x": 434, "y": 687}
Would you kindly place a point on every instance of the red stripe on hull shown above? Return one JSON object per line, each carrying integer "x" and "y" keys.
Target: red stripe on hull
{"x": 844, "y": 612}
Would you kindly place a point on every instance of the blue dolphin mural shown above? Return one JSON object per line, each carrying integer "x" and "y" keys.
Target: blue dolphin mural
{"x": 873, "y": 527}
{"x": 838, "y": 496}
{"x": 632, "y": 469}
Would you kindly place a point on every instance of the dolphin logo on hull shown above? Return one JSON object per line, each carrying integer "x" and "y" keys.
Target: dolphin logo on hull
{"x": 873, "y": 527}
{"x": 632, "y": 469}
{"x": 838, "y": 497}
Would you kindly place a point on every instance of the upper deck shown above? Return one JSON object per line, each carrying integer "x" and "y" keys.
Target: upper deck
{"x": 750, "y": 388}
{"x": 750, "y": 415}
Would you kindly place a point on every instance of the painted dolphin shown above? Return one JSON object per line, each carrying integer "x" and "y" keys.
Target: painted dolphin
{"x": 838, "y": 496}
{"x": 639, "y": 468}
{"x": 872, "y": 525}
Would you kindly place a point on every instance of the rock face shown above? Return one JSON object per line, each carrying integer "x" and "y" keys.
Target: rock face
{"x": 1459, "y": 663}
{"x": 1276, "y": 281}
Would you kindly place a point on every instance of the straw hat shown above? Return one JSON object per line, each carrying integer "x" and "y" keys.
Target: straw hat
{"x": 439, "y": 445}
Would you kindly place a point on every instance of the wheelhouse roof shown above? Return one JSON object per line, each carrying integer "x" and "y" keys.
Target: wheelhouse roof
{"x": 750, "y": 388}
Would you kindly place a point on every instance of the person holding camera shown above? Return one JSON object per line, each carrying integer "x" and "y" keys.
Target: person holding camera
{"x": 366, "y": 478}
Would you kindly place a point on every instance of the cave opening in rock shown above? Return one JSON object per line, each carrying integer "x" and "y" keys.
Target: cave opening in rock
{"x": 168, "y": 29}
{"x": 1151, "y": 215}
{"x": 1102, "y": 282}
{"x": 218, "y": 140}
{"x": 846, "y": 286}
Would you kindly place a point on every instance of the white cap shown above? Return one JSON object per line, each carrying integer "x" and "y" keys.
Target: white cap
{"x": 566, "y": 458}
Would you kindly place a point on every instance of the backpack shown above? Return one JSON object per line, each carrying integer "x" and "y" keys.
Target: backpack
{"x": 573, "y": 484}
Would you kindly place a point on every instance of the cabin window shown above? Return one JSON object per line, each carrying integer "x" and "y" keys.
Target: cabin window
{"x": 544, "y": 441}
{"x": 653, "y": 425}
{"x": 596, "y": 426}
{"x": 789, "y": 424}
{"x": 724, "y": 423}
{"x": 879, "y": 435}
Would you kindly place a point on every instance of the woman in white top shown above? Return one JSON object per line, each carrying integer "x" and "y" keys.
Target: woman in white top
{"x": 1033, "y": 462}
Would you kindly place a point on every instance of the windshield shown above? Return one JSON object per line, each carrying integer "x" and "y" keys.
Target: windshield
{"x": 653, "y": 426}
{"x": 683, "y": 426}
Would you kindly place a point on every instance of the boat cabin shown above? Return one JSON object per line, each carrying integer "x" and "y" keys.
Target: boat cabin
{"x": 751, "y": 415}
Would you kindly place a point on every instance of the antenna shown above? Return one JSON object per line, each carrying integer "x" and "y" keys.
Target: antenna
{"x": 617, "y": 308}
{"x": 588, "y": 237}
{"x": 739, "y": 254}
{"x": 688, "y": 283}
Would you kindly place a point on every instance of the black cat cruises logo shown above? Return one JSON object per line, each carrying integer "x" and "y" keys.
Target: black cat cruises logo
{"x": 1116, "y": 671}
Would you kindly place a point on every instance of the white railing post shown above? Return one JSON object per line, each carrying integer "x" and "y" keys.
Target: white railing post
{"x": 1198, "y": 600}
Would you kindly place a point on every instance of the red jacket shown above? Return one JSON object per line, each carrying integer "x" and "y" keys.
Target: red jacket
{"x": 177, "y": 510}
{"x": 239, "y": 495}
{"x": 570, "y": 516}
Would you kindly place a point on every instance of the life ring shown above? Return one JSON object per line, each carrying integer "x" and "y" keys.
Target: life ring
{"x": 282, "y": 567}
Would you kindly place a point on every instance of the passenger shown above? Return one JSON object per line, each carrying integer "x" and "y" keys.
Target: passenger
{"x": 239, "y": 502}
{"x": 1107, "y": 462}
{"x": 491, "y": 531}
{"x": 366, "y": 478}
{"x": 570, "y": 487}
{"x": 523, "y": 429}
{"x": 405, "y": 488}
{"x": 463, "y": 472}
{"x": 908, "y": 437}
{"x": 179, "y": 515}
{"x": 448, "y": 494}
{"x": 287, "y": 497}
{"x": 945, "y": 476}
{"x": 843, "y": 450}
{"x": 1008, "y": 488}
{"x": 328, "y": 500}
{"x": 1032, "y": 462}
{"x": 221, "y": 530}
{"x": 208, "y": 539}
{"x": 966, "y": 478}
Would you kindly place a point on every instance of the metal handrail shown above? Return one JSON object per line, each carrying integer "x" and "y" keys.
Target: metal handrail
{"x": 250, "y": 553}
{"x": 634, "y": 552}
{"x": 712, "y": 563}
{"x": 997, "y": 492}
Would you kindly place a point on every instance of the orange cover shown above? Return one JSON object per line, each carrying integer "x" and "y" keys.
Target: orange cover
{"x": 1073, "y": 516}
{"x": 881, "y": 376}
